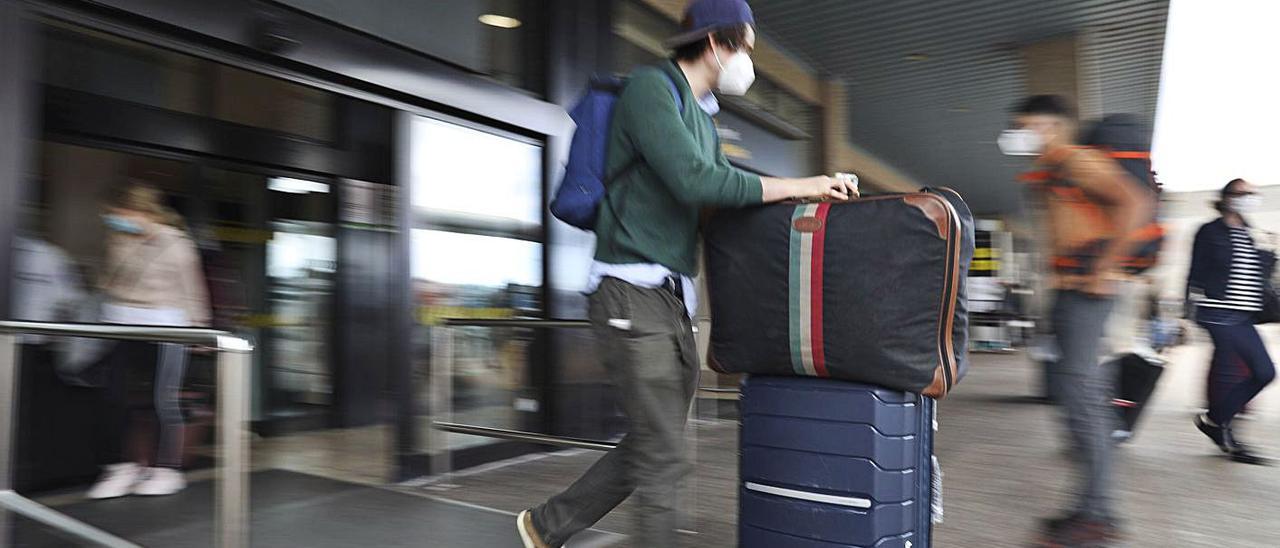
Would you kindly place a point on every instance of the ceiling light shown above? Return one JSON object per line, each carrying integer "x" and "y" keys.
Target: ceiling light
{"x": 500, "y": 21}
{"x": 917, "y": 57}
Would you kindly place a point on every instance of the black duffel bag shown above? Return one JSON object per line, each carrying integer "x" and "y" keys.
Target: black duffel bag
{"x": 871, "y": 290}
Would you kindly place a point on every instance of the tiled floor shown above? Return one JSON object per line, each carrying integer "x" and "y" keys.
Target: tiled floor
{"x": 1004, "y": 461}
{"x": 357, "y": 455}
{"x": 1005, "y": 467}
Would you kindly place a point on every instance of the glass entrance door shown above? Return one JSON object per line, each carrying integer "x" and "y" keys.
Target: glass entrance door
{"x": 301, "y": 264}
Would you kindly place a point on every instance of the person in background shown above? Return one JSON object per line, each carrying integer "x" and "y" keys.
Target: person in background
{"x": 46, "y": 285}
{"x": 1092, "y": 211}
{"x": 152, "y": 276}
{"x": 1225, "y": 284}
{"x": 642, "y": 298}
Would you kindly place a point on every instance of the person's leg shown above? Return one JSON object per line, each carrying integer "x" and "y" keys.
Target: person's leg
{"x": 1083, "y": 387}
{"x": 120, "y": 473}
{"x": 1221, "y": 365}
{"x": 113, "y": 412}
{"x": 162, "y": 408}
{"x": 171, "y": 365}
{"x": 647, "y": 345}
{"x": 1248, "y": 345}
{"x": 608, "y": 482}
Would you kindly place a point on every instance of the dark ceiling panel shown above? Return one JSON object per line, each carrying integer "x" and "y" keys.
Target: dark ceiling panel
{"x": 936, "y": 119}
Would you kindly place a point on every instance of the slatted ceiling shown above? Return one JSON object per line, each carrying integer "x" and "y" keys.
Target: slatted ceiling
{"x": 937, "y": 119}
{"x": 976, "y": 74}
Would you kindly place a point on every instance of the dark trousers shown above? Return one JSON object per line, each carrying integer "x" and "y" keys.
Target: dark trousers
{"x": 1230, "y": 391}
{"x": 646, "y": 342}
{"x": 143, "y": 380}
{"x": 1083, "y": 387}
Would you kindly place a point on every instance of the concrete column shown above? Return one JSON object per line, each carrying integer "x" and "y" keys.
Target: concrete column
{"x": 839, "y": 154}
{"x": 17, "y": 120}
{"x": 1062, "y": 66}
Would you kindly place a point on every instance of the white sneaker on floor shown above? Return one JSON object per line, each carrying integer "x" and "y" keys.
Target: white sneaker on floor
{"x": 528, "y": 534}
{"x": 160, "y": 482}
{"x": 117, "y": 480}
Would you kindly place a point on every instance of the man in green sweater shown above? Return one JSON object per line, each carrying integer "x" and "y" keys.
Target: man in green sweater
{"x": 642, "y": 298}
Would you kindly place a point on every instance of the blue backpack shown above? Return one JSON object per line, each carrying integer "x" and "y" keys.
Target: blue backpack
{"x": 578, "y": 198}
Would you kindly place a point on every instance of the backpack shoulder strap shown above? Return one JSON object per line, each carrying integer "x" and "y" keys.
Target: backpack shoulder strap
{"x": 675, "y": 92}
{"x": 637, "y": 160}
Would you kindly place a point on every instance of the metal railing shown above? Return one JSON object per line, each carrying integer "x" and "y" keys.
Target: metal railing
{"x": 232, "y": 488}
{"x": 519, "y": 435}
{"x": 440, "y": 403}
{"x": 527, "y": 324}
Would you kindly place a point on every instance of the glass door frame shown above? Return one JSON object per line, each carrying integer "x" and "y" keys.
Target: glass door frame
{"x": 415, "y": 458}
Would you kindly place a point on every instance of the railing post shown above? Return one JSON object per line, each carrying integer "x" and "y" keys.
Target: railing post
{"x": 233, "y": 446}
{"x": 8, "y": 423}
{"x": 440, "y": 399}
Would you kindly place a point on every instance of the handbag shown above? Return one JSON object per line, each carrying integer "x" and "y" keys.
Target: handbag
{"x": 76, "y": 358}
{"x": 1270, "y": 312}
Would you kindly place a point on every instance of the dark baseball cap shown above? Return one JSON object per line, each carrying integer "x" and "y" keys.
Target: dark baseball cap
{"x": 703, "y": 17}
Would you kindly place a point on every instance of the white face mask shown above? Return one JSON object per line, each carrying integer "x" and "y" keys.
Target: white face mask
{"x": 1245, "y": 205}
{"x": 737, "y": 75}
{"x": 1020, "y": 142}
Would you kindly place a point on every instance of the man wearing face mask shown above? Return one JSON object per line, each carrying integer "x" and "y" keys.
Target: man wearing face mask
{"x": 1225, "y": 283}
{"x": 1092, "y": 213}
{"x": 665, "y": 151}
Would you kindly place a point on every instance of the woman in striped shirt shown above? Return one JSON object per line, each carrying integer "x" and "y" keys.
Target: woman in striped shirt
{"x": 1226, "y": 281}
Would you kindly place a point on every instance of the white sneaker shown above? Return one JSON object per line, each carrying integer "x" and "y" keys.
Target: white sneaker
{"x": 528, "y": 534}
{"x": 117, "y": 480}
{"x": 160, "y": 482}
{"x": 525, "y": 526}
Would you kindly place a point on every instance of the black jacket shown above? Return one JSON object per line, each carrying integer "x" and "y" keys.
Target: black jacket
{"x": 1211, "y": 261}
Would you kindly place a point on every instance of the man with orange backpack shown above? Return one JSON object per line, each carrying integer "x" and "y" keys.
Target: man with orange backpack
{"x": 1095, "y": 212}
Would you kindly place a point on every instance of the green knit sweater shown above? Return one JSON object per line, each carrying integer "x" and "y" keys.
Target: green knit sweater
{"x": 652, "y": 211}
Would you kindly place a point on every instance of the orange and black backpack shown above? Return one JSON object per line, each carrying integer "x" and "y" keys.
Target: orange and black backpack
{"x": 1126, "y": 140}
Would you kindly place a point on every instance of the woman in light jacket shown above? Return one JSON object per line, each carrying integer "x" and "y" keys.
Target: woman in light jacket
{"x": 153, "y": 277}
{"x": 1226, "y": 282}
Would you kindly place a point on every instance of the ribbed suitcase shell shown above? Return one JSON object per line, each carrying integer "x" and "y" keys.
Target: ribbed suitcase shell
{"x": 834, "y": 464}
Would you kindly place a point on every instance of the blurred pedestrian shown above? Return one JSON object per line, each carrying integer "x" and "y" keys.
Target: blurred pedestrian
{"x": 152, "y": 277}
{"x": 46, "y": 286}
{"x": 1226, "y": 284}
{"x": 1089, "y": 205}
{"x": 663, "y": 146}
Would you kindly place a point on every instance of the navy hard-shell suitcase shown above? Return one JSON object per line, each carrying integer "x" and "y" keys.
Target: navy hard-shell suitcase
{"x": 827, "y": 464}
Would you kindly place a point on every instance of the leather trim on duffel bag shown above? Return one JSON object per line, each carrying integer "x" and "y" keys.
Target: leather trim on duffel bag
{"x": 947, "y": 221}
{"x": 933, "y": 209}
{"x": 952, "y": 298}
